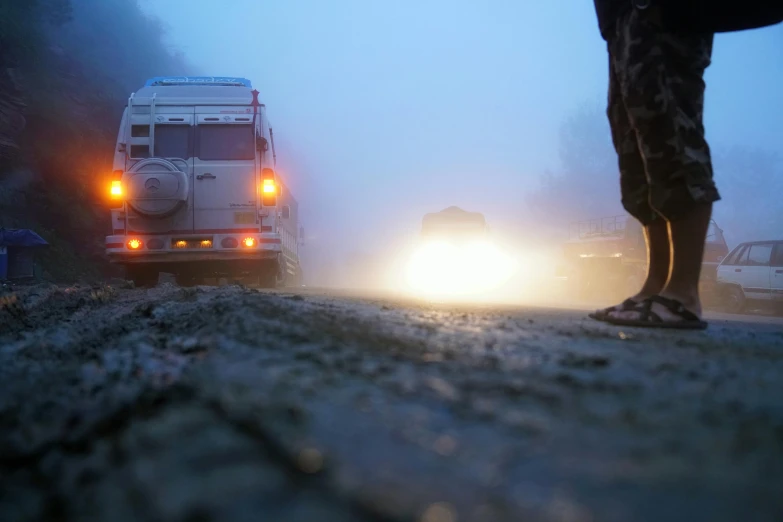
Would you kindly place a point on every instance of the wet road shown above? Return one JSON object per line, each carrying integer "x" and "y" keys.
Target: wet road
{"x": 208, "y": 404}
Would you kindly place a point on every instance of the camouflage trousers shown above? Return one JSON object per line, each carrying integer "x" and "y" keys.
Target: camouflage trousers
{"x": 656, "y": 102}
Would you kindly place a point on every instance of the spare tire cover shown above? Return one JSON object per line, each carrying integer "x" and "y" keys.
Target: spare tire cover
{"x": 156, "y": 187}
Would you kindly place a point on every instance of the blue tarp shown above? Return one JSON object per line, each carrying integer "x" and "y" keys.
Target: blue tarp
{"x": 20, "y": 237}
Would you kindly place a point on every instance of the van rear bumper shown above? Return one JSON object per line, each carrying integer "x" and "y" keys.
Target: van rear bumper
{"x": 159, "y": 248}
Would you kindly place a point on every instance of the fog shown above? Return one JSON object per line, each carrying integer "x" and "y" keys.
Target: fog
{"x": 383, "y": 112}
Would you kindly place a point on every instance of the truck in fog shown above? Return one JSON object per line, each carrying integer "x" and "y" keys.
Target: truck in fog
{"x": 456, "y": 255}
{"x": 194, "y": 188}
{"x": 606, "y": 258}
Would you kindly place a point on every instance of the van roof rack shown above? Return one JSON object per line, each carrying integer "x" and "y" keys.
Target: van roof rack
{"x": 197, "y": 80}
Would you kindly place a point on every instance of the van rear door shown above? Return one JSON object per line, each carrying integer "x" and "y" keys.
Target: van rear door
{"x": 225, "y": 195}
{"x": 171, "y": 135}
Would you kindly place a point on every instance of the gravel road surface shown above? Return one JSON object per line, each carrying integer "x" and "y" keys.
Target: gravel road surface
{"x": 232, "y": 404}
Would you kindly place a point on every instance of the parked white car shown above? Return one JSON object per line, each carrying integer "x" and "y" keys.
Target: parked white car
{"x": 753, "y": 271}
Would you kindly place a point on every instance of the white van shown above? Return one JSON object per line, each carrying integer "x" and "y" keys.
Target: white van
{"x": 194, "y": 188}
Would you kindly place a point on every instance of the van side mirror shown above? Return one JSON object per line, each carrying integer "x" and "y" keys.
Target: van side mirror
{"x": 262, "y": 145}
{"x": 286, "y": 212}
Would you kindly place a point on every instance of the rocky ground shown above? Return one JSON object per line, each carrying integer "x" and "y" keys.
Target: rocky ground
{"x": 231, "y": 404}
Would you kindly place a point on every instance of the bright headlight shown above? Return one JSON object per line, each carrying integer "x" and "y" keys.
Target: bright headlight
{"x": 442, "y": 268}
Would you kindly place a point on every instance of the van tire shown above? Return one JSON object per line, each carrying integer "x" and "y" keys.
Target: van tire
{"x": 269, "y": 274}
{"x": 268, "y": 280}
{"x": 143, "y": 276}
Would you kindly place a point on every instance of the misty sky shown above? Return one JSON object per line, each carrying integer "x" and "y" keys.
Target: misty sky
{"x": 387, "y": 110}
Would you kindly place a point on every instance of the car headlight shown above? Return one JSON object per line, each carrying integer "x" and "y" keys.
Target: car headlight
{"x": 444, "y": 268}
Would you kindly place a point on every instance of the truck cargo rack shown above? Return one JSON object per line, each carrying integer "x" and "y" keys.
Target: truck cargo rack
{"x": 164, "y": 81}
{"x": 605, "y": 227}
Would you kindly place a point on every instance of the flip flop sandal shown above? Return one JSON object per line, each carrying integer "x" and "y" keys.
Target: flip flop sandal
{"x": 603, "y": 314}
{"x": 649, "y": 319}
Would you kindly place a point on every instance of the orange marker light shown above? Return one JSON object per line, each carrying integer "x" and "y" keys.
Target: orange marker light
{"x": 249, "y": 242}
{"x": 116, "y": 189}
{"x": 269, "y": 186}
{"x": 134, "y": 244}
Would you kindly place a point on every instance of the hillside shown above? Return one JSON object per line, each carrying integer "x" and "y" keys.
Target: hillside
{"x": 66, "y": 70}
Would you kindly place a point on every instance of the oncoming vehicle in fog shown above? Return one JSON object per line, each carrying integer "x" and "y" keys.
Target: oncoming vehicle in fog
{"x": 455, "y": 255}
{"x": 194, "y": 188}
{"x": 606, "y": 258}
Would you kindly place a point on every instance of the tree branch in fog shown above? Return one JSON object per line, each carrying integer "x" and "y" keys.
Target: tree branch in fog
{"x": 585, "y": 185}
{"x": 750, "y": 182}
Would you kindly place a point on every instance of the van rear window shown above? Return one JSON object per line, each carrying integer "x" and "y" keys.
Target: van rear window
{"x": 140, "y": 131}
{"x": 173, "y": 141}
{"x": 140, "y": 151}
{"x": 225, "y": 142}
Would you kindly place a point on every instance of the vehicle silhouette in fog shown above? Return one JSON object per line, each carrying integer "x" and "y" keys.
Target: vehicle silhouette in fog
{"x": 606, "y": 258}
{"x": 456, "y": 255}
{"x": 195, "y": 191}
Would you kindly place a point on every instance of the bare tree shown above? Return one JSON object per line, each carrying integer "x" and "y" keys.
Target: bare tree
{"x": 586, "y": 183}
{"x": 750, "y": 182}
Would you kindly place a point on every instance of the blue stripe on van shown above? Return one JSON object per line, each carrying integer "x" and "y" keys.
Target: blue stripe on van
{"x": 197, "y": 80}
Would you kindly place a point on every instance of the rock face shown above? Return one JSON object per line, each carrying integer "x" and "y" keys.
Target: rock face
{"x": 12, "y": 110}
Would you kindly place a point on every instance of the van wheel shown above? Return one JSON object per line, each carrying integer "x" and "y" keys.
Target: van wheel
{"x": 734, "y": 300}
{"x": 141, "y": 275}
{"x": 269, "y": 275}
{"x": 269, "y": 279}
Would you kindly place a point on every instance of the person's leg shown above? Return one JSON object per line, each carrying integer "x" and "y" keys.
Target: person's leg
{"x": 634, "y": 187}
{"x": 687, "y": 240}
{"x": 664, "y": 94}
{"x": 656, "y": 236}
{"x": 656, "y": 239}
